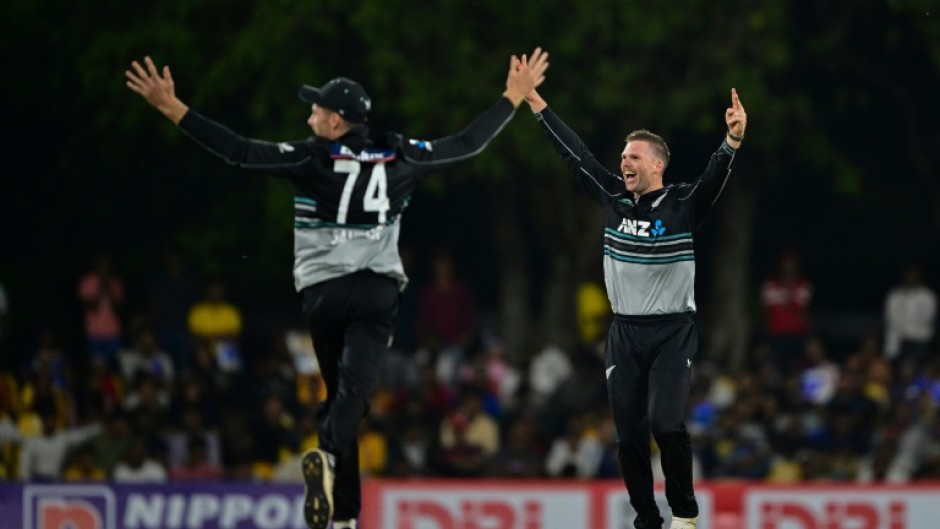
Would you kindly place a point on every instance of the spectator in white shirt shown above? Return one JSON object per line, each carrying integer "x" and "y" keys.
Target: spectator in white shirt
{"x": 550, "y": 367}
{"x": 575, "y": 454}
{"x": 146, "y": 357}
{"x": 910, "y": 317}
{"x": 136, "y": 467}
{"x": 43, "y": 455}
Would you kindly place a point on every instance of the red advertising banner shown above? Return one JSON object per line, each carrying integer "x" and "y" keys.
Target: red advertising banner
{"x": 480, "y": 504}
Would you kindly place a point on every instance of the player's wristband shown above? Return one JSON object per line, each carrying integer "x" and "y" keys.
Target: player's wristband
{"x": 735, "y": 138}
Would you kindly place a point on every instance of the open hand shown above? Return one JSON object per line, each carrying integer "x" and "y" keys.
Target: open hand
{"x": 156, "y": 89}
{"x": 525, "y": 75}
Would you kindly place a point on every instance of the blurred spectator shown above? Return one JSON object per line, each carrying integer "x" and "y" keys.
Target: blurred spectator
{"x": 273, "y": 432}
{"x": 217, "y": 324}
{"x": 40, "y": 397}
{"x": 786, "y": 297}
{"x": 576, "y": 454}
{"x": 373, "y": 448}
{"x": 138, "y": 467}
{"x": 149, "y": 426}
{"x": 460, "y": 457}
{"x": 609, "y": 466}
{"x": 173, "y": 292}
{"x": 910, "y": 315}
{"x": 9, "y": 442}
{"x": 519, "y": 457}
{"x": 178, "y": 442}
{"x": 102, "y": 292}
{"x": 876, "y": 467}
{"x": 428, "y": 400}
{"x": 468, "y": 424}
{"x": 110, "y": 445}
{"x": 592, "y": 309}
{"x": 820, "y": 377}
{"x": 447, "y": 315}
{"x": 145, "y": 357}
{"x": 194, "y": 393}
{"x": 851, "y": 403}
{"x": 548, "y": 369}
{"x": 740, "y": 446}
{"x": 496, "y": 379}
{"x": 409, "y": 450}
{"x": 100, "y": 390}
{"x": 147, "y": 396}
{"x": 51, "y": 361}
{"x": 789, "y": 435}
{"x": 196, "y": 466}
{"x": 43, "y": 455}
{"x": 582, "y": 392}
{"x": 82, "y": 467}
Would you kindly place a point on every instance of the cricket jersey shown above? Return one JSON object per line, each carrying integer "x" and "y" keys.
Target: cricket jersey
{"x": 649, "y": 254}
{"x": 349, "y": 195}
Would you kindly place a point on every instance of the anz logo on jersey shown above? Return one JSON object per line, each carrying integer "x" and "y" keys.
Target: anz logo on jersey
{"x": 422, "y": 144}
{"x": 641, "y": 228}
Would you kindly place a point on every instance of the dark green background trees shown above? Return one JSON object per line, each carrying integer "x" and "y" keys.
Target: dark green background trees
{"x": 840, "y": 162}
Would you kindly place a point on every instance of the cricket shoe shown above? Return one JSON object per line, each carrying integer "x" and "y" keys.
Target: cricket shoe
{"x": 683, "y": 523}
{"x": 318, "y": 470}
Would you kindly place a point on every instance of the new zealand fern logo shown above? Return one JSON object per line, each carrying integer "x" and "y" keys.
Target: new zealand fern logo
{"x": 658, "y": 229}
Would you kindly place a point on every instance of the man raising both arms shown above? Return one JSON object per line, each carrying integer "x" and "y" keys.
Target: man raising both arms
{"x": 649, "y": 269}
{"x": 348, "y": 199}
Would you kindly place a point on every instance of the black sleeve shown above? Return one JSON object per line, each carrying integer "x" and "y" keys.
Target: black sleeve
{"x": 284, "y": 158}
{"x": 426, "y": 155}
{"x": 595, "y": 178}
{"x": 705, "y": 189}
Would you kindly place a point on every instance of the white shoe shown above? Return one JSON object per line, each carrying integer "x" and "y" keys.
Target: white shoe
{"x": 317, "y": 467}
{"x": 683, "y": 523}
{"x": 345, "y": 524}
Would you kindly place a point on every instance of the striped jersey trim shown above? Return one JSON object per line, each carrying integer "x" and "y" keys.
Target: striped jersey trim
{"x": 649, "y": 260}
{"x": 301, "y": 223}
{"x": 666, "y": 249}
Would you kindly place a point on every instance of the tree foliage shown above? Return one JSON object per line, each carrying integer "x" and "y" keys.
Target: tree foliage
{"x": 828, "y": 87}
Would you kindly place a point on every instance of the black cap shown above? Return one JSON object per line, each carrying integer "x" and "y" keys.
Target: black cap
{"x": 341, "y": 95}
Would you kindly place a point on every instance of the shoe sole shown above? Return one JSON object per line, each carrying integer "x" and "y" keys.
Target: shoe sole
{"x": 318, "y": 497}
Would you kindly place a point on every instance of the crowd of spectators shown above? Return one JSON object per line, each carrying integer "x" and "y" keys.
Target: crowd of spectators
{"x": 174, "y": 395}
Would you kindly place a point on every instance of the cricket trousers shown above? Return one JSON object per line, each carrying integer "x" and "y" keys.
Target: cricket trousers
{"x": 649, "y": 371}
{"x": 351, "y": 321}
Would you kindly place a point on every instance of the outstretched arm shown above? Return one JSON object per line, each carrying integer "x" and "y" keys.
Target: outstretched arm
{"x": 286, "y": 158}
{"x": 600, "y": 183}
{"x": 156, "y": 89}
{"x": 520, "y": 80}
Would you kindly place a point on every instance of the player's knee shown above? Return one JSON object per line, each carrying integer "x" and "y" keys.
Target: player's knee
{"x": 665, "y": 430}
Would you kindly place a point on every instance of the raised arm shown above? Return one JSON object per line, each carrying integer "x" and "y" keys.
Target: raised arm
{"x": 599, "y": 182}
{"x": 706, "y": 189}
{"x": 522, "y": 78}
{"x": 158, "y": 89}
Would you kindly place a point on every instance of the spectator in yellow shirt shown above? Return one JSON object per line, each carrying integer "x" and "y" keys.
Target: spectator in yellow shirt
{"x": 216, "y": 324}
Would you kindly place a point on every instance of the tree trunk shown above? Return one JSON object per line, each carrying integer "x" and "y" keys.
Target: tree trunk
{"x": 514, "y": 280}
{"x": 728, "y": 326}
{"x": 570, "y": 230}
{"x": 558, "y": 301}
